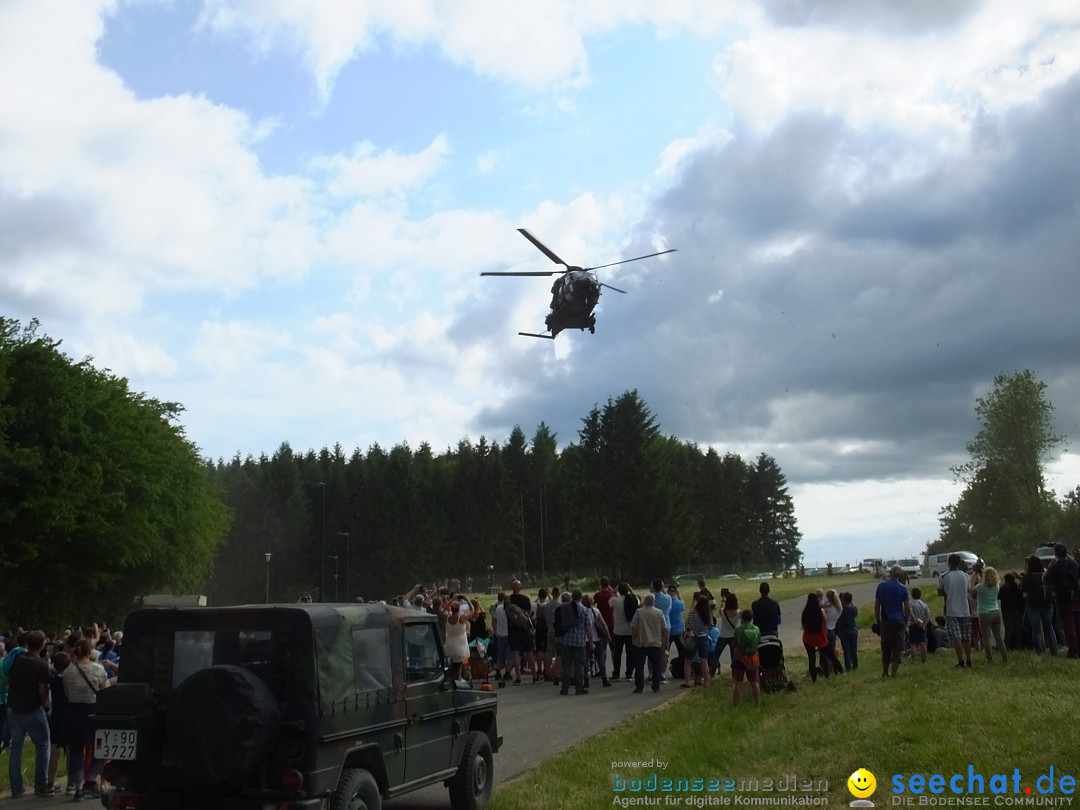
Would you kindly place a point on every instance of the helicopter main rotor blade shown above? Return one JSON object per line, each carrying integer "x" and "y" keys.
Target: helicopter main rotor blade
{"x": 608, "y": 286}
{"x": 535, "y": 335}
{"x": 635, "y": 259}
{"x": 525, "y": 273}
{"x": 541, "y": 246}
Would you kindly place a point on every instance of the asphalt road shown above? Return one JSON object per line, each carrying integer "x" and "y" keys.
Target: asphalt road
{"x": 536, "y": 722}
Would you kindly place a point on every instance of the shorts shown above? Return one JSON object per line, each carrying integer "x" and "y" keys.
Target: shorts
{"x": 699, "y": 651}
{"x": 959, "y": 628}
{"x": 748, "y": 667}
{"x": 892, "y": 640}
{"x": 916, "y": 634}
{"x": 520, "y": 643}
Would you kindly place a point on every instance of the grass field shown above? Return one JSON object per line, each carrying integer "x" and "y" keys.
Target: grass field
{"x": 745, "y": 589}
{"x": 779, "y": 589}
{"x": 931, "y": 719}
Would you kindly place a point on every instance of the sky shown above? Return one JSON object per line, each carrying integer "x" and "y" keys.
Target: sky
{"x": 276, "y": 213}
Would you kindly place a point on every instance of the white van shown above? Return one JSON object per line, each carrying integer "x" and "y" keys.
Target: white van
{"x": 939, "y": 563}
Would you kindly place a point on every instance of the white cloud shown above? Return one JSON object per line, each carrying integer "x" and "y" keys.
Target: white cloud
{"x": 675, "y": 153}
{"x": 230, "y": 349}
{"x": 367, "y": 173}
{"x": 844, "y": 523}
{"x": 129, "y": 354}
{"x": 536, "y": 45}
{"x": 930, "y": 84}
{"x": 162, "y": 193}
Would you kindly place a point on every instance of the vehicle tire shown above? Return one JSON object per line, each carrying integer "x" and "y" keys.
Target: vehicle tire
{"x": 221, "y": 723}
{"x": 356, "y": 790}
{"x": 470, "y": 787}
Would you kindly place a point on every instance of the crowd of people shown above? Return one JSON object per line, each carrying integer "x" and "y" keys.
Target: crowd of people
{"x": 49, "y": 686}
{"x": 570, "y": 638}
{"x": 983, "y": 611}
{"x": 1016, "y": 611}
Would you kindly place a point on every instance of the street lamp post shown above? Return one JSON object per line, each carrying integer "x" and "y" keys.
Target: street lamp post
{"x": 267, "y": 555}
{"x": 334, "y": 557}
{"x": 347, "y": 583}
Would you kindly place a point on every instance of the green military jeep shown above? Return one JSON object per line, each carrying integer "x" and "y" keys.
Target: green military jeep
{"x": 289, "y": 706}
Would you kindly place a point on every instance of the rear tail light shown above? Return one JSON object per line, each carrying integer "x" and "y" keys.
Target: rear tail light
{"x": 292, "y": 780}
{"x": 113, "y": 772}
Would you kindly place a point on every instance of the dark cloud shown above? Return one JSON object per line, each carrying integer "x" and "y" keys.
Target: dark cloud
{"x": 37, "y": 227}
{"x": 40, "y": 224}
{"x": 911, "y": 16}
{"x": 854, "y": 330}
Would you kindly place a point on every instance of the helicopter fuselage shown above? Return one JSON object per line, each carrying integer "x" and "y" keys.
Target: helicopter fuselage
{"x": 574, "y": 295}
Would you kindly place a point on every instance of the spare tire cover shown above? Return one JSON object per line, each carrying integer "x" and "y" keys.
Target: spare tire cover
{"x": 221, "y": 723}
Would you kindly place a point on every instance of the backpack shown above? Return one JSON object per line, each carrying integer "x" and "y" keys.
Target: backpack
{"x": 517, "y": 617}
{"x": 629, "y": 606}
{"x": 1065, "y": 582}
{"x": 566, "y": 616}
{"x": 748, "y": 642}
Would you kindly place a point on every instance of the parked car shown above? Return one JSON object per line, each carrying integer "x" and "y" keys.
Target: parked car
{"x": 729, "y": 576}
{"x": 1045, "y": 554}
{"x": 911, "y": 567}
{"x": 302, "y": 706}
{"x": 763, "y": 575}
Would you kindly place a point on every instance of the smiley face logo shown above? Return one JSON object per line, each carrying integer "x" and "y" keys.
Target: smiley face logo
{"x": 861, "y": 783}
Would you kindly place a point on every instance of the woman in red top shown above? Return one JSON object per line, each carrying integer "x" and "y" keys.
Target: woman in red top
{"x": 815, "y": 638}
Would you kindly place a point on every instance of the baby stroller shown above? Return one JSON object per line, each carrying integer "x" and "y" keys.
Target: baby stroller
{"x": 774, "y": 675}
{"x": 478, "y": 662}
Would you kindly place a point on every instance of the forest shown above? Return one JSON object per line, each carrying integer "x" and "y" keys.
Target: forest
{"x": 622, "y": 499}
{"x": 101, "y": 490}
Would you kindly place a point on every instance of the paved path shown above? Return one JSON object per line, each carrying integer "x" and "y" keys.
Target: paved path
{"x": 536, "y": 722}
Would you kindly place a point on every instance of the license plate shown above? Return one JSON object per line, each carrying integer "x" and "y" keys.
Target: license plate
{"x": 115, "y": 743}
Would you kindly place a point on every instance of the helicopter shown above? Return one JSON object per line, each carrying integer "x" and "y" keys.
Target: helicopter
{"x": 574, "y": 294}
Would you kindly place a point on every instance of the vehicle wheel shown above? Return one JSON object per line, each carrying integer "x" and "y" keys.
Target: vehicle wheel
{"x": 470, "y": 788}
{"x": 221, "y": 723}
{"x": 356, "y": 790}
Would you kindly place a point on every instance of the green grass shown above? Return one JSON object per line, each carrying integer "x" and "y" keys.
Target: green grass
{"x": 746, "y": 589}
{"x": 932, "y": 719}
{"x": 779, "y": 589}
{"x": 27, "y": 769}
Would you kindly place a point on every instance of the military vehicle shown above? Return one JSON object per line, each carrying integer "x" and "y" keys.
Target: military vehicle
{"x": 289, "y": 707}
